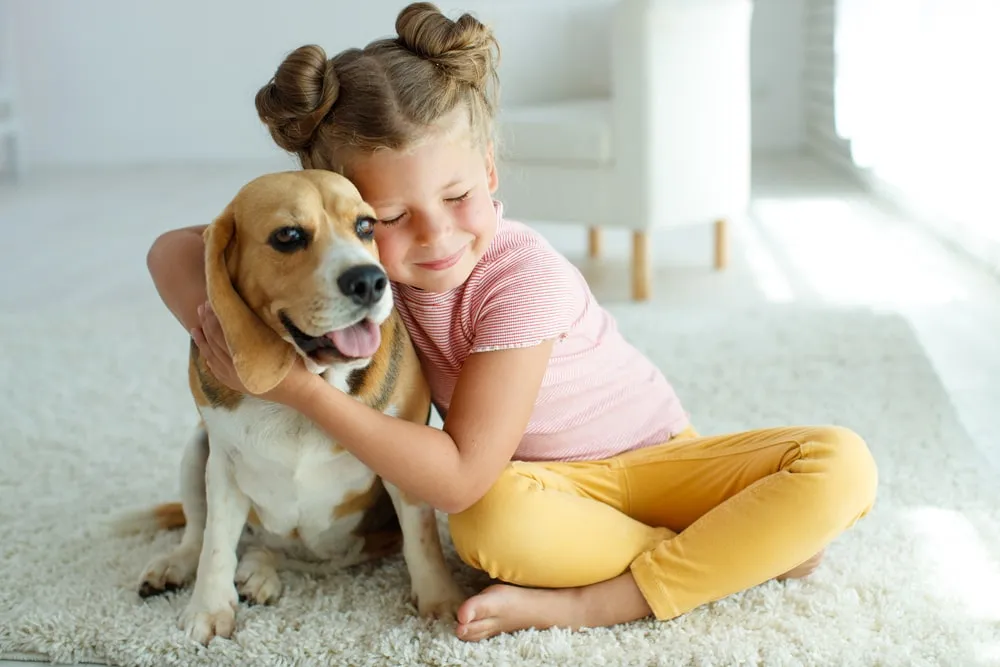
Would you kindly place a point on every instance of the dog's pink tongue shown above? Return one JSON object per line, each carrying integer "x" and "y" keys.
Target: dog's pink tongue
{"x": 358, "y": 340}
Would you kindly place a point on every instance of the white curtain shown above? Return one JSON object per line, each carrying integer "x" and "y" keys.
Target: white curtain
{"x": 918, "y": 95}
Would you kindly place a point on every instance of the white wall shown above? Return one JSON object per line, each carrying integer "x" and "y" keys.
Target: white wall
{"x": 819, "y": 137}
{"x": 6, "y": 41}
{"x": 120, "y": 81}
{"x": 776, "y": 55}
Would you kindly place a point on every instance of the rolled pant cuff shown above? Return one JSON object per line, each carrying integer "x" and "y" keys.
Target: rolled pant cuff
{"x": 651, "y": 586}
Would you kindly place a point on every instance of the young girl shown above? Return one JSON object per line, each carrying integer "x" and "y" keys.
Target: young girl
{"x": 566, "y": 463}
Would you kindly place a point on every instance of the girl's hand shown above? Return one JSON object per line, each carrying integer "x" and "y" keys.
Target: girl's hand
{"x": 211, "y": 342}
{"x": 214, "y": 349}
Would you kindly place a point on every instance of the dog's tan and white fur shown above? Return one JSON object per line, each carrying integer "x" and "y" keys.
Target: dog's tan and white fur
{"x": 289, "y": 261}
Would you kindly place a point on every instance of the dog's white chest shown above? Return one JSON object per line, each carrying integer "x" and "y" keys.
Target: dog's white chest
{"x": 296, "y": 479}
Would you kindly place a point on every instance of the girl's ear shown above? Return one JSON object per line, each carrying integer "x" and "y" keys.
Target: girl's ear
{"x": 492, "y": 178}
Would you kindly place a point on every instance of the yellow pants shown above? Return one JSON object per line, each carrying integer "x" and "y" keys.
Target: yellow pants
{"x": 695, "y": 519}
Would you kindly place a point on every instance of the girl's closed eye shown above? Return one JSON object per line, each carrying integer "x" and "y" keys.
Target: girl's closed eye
{"x": 452, "y": 200}
{"x": 388, "y": 222}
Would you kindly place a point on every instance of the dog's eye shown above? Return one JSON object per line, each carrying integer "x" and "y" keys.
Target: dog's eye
{"x": 288, "y": 239}
{"x": 364, "y": 228}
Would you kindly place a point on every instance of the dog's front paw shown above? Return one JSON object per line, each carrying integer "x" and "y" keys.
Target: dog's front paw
{"x": 168, "y": 573}
{"x": 212, "y": 615}
{"x": 257, "y": 579}
{"x": 439, "y": 598}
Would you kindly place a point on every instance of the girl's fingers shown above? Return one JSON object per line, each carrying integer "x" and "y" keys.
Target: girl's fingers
{"x": 204, "y": 348}
{"x": 213, "y": 329}
{"x": 214, "y": 350}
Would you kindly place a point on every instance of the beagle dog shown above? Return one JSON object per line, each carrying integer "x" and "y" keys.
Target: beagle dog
{"x": 292, "y": 270}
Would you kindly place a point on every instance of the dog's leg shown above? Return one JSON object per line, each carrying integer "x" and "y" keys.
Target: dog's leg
{"x": 437, "y": 594}
{"x": 257, "y": 576}
{"x": 177, "y": 569}
{"x": 212, "y": 609}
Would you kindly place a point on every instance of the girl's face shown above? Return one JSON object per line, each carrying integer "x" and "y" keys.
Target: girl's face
{"x": 435, "y": 208}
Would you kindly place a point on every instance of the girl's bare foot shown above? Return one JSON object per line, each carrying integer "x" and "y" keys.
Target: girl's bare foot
{"x": 504, "y": 608}
{"x": 804, "y": 569}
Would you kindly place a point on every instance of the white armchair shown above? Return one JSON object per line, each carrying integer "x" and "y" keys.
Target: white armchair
{"x": 671, "y": 146}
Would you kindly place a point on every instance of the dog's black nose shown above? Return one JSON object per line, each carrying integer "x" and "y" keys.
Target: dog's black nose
{"x": 365, "y": 284}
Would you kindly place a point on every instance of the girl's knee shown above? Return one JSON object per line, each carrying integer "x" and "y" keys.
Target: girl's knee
{"x": 485, "y": 532}
{"x": 847, "y": 465}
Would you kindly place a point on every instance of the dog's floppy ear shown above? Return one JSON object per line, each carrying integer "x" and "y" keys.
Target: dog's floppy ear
{"x": 261, "y": 357}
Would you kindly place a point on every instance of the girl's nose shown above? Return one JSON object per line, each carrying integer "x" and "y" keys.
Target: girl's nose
{"x": 431, "y": 227}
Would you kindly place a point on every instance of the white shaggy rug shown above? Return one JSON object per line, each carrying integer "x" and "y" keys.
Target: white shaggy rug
{"x": 95, "y": 412}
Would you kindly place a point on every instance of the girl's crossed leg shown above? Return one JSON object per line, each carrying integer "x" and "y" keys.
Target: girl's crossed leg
{"x": 660, "y": 530}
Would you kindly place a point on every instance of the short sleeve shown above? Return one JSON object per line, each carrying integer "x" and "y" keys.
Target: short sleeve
{"x": 532, "y": 296}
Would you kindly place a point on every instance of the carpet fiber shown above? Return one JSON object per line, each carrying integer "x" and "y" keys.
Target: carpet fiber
{"x": 95, "y": 412}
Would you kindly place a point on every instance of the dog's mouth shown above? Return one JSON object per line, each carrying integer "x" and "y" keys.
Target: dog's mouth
{"x": 357, "y": 341}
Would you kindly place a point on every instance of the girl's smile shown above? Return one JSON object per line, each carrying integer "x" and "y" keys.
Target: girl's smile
{"x": 446, "y": 262}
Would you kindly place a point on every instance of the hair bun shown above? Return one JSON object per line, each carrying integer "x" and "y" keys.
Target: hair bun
{"x": 463, "y": 49}
{"x": 301, "y": 94}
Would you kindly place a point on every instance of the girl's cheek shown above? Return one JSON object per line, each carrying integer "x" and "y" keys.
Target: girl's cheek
{"x": 383, "y": 239}
{"x": 389, "y": 246}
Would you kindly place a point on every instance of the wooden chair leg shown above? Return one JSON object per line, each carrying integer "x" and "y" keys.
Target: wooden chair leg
{"x": 594, "y": 242}
{"x": 641, "y": 269}
{"x": 721, "y": 244}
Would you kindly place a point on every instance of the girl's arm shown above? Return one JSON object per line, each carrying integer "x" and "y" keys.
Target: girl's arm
{"x": 176, "y": 262}
{"x": 449, "y": 469}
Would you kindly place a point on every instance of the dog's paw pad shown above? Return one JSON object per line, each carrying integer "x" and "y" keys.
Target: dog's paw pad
{"x": 168, "y": 573}
{"x": 208, "y": 616}
{"x": 202, "y": 626}
{"x": 257, "y": 583}
{"x": 439, "y": 602}
{"x": 148, "y": 590}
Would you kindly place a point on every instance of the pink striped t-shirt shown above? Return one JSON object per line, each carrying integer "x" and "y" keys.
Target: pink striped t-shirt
{"x": 599, "y": 397}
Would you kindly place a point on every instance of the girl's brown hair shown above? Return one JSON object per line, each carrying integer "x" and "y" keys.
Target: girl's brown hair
{"x": 390, "y": 94}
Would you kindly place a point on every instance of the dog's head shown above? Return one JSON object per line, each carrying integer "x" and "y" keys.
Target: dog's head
{"x": 292, "y": 268}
